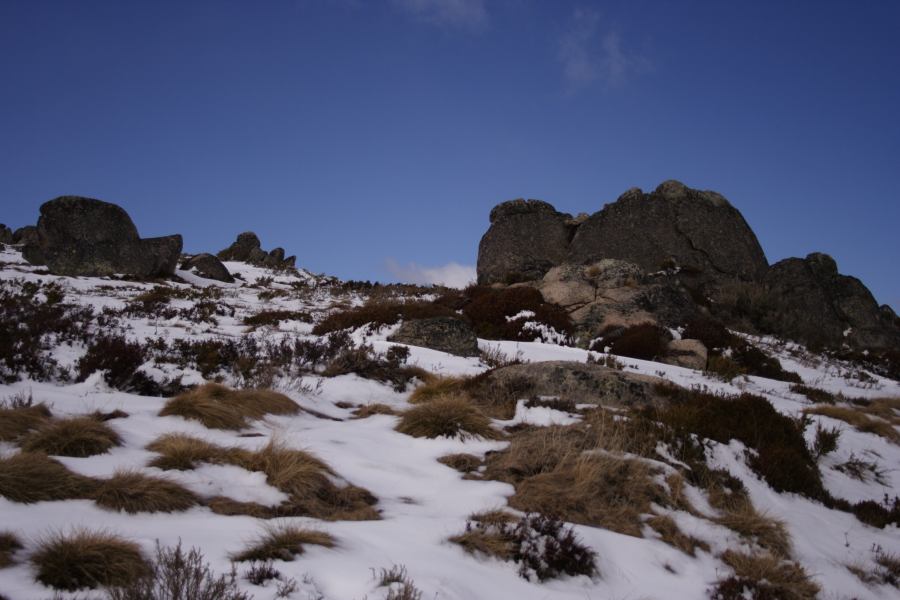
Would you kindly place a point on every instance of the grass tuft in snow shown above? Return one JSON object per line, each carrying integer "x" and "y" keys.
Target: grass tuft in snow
{"x": 178, "y": 575}
{"x": 464, "y": 463}
{"x": 182, "y": 452}
{"x": 669, "y": 532}
{"x": 859, "y": 420}
{"x": 368, "y": 410}
{"x": 32, "y": 477}
{"x": 135, "y": 492}
{"x": 17, "y": 421}
{"x": 88, "y": 559}
{"x": 447, "y": 416}
{"x": 764, "y": 576}
{"x": 9, "y": 544}
{"x": 283, "y": 542}
{"x": 219, "y": 407}
{"x": 400, "y": 586}
{"x": 78, "y": 436}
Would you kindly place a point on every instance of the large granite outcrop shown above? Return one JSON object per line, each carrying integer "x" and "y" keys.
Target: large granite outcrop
{"x": 247, "y": 248}
{"x": 84, "y": 236}
{"x": 807, "y": 299}
{"x": 207, "y": 266}
{"x": 525, "y": 240}
{"x": 6, "y": 234}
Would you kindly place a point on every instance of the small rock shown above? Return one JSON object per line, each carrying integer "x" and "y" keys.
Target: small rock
{"x": 208, "y": 266}
{"x": 691, "y": 354}
{"x": 446, "y": 334}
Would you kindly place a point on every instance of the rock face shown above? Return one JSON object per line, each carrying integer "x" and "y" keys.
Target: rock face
{"x": 247, "y": 248}
{"x": 25, "y": 235}
{"x": 6, "y": 234}
{"x": 525, "y": 240}
{"x": 691, "y": 354}
{"x": 207, "y": 266}
{"x": 580, "y": 382}
{"x": 615, "y": 293}
{"x": 446, "y": 334}
{"x": 83, "y": 236}
{"x": 808, "y": 300}
{"x": 698, "y": 232}
{"x": 674, "y": 226}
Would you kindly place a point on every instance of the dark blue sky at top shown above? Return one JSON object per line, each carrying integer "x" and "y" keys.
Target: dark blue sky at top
{"x": 355, "y": 133}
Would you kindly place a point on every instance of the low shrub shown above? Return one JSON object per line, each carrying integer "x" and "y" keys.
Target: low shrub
{"x": 708, "y": 330}
{"x": 219, "y": 407}
{"x": 362, "y": 361}
{"x": 878, "y": 514}
{"x": 814, "y": 394}
{"x": 858, "y": 419}
{"x": 274, "y": 317}
{"x": 30, "y": 477}
{"x": 77, "y": 436}
{"x": 134, "y": 492}
{"x": 764, "y": 577}
{"x": 542, "y": 546}
{"x": 9, "y": 545}
{"x": 825, "y": 442}
{"x": 262, "y": 572}
{"x": 88, "y": 559}
{"x": 15, "y": 422}
{"x": 645, "y": 341}
{"x": 490, "y": 311}
{"x": 862, "y": 470}
{"x": 782, "y": 457}
{"x": 119, "y": 360}
{"x": 448, "y": 416}
{"x": 399, "y": 584}
{"x": 378, "y": 313}
{"x": 754, "y": 361}
{"x": 178, "y": 575}
{"x": 283, "y": 542}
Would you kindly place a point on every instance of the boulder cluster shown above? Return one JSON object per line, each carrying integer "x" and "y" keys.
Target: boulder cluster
{"x": 668, "y": 256}
{"x": 83, "y": 236}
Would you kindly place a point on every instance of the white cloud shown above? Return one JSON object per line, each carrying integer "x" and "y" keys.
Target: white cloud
{"x": 452, "y": 274}
{"x": 589, "y": 54}
{"x": 463, "y": 14}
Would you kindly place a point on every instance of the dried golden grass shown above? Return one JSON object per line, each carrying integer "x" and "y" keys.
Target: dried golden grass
{"x": 598, "y": 489}
{"x": 88, "y": 559}
{"x": 303, "y": 477}
{"x": 766, "y": 532}
{"x": 33, "y": 477}
{"x": 669, "y": 532}
{"x": 219, "y": 407}
{"x": 367, "y": 410}
{"x": 78, "y": 436}
{"x": 464, "y": 463}
{"x": 447, "y": 416}
{"x": 17, "y": 422}
{"x": 435, "y": 388}
{"x": 484, "y": 534}
{"x": 783, "y": 579}
{"x": 9, "y": 545}
{"x": 181, "y": 452}
{"x": 859, "y": 420}
{"x": 134, "y": 492}
{"x": 283, "y": 542}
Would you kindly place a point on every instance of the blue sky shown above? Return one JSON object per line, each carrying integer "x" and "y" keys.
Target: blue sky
{"x": 366, "y": 136}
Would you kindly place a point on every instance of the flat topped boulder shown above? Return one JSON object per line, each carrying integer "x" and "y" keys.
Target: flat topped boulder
{"x": 84, "y": 236}
{"x": 207, "y": 266}
{"x": 525, "y": 240}
{"x": 447, "y": 334}
{"x": 697, "y": 231}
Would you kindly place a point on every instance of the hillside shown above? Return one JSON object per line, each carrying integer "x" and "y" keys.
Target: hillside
{"x": 665, "y": 503}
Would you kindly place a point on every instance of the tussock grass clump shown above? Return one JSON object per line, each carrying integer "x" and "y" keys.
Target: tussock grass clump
{"x": 283, "y": 542}
{"x": 306, "y": 479}
{"x": 15, "y": 422}
{"x": 814, "y": 394}
{"x": 78, "y": 436}
{"x": 464, "y": 463}
{"x": 178, "y": 575}
{"x": 399, "y": 584}
{"x": 601, "y": 490}
{"x": 88, "y": 559}
{"x": 9, "y": 544}
{"x": 669, "y": 532}
{"x": 766, "y": 532}
{"x": 765, "y": 576}
{"x": 182, "y": 452}
{"x": 134, "y": 492}
{"x": 488, "y": 533}
{"x": 436, "y": 387}
{"x": 219, "y": 407}
{"x": 859, "y": 420}
{"x": 366, "y": 411}
{"x": 32, "y": 477}
{"x": 448, "y": 416}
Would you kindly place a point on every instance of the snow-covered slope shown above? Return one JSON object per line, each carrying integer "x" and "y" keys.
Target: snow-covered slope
{"x": 422, "y": 501}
